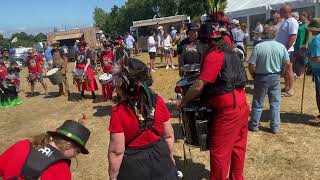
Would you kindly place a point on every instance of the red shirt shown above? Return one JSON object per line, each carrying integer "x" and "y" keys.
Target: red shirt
{"x": 209, "y": 73}
{"x": 3, "y": 71}
{"x": 12, "y": 160}
{"x": 124, "y": 120}
{"x": 106, "y": 61}
{"x": 35, "y": 64}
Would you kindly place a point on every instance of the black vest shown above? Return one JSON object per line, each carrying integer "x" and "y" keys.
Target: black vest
{"x": 38, "y": 160}
{"x": 231, "y": 76}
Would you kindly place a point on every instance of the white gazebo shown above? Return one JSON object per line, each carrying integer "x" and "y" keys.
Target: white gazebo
{"x": 251, "y": 11}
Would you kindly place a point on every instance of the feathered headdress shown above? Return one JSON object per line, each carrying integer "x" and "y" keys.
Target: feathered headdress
{"x": 216, "y": 9}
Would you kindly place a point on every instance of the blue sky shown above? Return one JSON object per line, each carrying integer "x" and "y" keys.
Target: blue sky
{"x": 20, "y": 15}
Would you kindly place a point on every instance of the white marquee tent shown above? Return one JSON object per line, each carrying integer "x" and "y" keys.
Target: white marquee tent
{"x": 251, "y": 11}
{"x": 241, "y": 8}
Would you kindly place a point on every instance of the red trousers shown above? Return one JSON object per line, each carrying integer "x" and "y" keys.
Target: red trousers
{"x": 107, "y": 91}
{"x": 229, "y": 130}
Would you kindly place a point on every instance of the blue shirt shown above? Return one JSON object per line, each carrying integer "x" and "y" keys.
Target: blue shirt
{"x": 129, "y": 42}
{"x": 269, "y": 57}
{"x": 314, "y": 51}
{"x": 47, "y": 54}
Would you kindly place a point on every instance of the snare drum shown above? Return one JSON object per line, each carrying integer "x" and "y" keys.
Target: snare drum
{"x": 190, "y": 69}
{"x": 78, "y": 75}
{"x": 183, "y": 85}
{"x": 105, "y": 78}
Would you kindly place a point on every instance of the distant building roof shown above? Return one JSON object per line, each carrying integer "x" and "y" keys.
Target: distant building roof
{"x": 163, "y": 20}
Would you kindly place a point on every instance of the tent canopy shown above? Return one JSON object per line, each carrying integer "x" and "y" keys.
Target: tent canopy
{"x": 238, "y": 8}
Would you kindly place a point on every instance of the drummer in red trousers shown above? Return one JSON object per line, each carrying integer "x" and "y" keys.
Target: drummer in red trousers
{"x": 222, "y": 81}
{"x": 83, "y": 62}
{"x": 106, "y": 60}
{"x": 35, "y": 64}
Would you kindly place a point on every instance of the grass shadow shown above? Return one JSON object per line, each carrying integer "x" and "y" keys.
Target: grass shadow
{"x": 291, "y": 117}
{"x": 28, "y": 94}
{"x": 190, "y": 169}
{"x": 102, "y": 111}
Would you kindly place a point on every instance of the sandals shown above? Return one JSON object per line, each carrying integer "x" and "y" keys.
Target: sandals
{"x": 287, "y": 94}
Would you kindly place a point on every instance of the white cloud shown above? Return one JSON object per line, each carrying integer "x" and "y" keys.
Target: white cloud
{"x": 22, "y": 28}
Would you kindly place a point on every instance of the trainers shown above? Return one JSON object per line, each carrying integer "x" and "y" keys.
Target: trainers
{"x": 173, "y": 67}
{"x": 167, "y": 67}
{"x": 253, "y": 129}
{"x": 152, "y": 70}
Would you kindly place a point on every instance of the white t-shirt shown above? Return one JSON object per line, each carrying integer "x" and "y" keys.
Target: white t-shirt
{"x": 167, "y": 42}
{"x": 258, "y": 30}
{"x": 288, "y": 27}
{"x": 151, "y": 44}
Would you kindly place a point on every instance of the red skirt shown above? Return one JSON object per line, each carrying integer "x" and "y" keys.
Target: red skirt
{"x": 90, "y": 83}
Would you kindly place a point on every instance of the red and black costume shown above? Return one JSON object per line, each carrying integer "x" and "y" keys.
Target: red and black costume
{"x": 34, "y": 64}
{"x": 106, "y": 60}
{"x": 229, "y": 125}
{"x": 146, "y": 155}
{"x": 89, "y": 84}
{"x": 225, "y": 77}
{"x": 12, "y": 163}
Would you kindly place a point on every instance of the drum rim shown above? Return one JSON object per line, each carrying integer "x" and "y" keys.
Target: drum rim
{"x": 53, "y": 71}
{"x": 103, "y": 75}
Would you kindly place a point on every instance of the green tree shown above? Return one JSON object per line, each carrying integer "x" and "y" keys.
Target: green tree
{"x": 40, "y": 37}
{"x": 99, "y": 16}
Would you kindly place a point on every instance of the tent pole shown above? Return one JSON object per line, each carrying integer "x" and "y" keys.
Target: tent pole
{"x": 317, "y": 9}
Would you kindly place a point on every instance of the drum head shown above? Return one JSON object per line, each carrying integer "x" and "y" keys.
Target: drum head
{"x": 52, "y": 71}
{"x": 190, "y": 67}
{"x": 105, "y": 77}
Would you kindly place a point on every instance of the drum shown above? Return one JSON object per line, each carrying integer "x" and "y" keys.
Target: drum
{"x": 188, "y": 115}
{"x": 195, "y": 122}
{"x": 105, "y": 78}
{"x": 190, "y": 69}
{"x": 183, "y": 85}
{"x": 78, "y": 75}
{"x": 55, "y": 76}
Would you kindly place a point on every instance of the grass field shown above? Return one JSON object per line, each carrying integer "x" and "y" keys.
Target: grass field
{"x": 292, "y": 154}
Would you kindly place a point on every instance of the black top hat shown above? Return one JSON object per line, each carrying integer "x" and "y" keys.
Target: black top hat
{"x": 74, "y": 131}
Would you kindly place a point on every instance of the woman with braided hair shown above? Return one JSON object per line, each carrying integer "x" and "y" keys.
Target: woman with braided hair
{"x": 141, "y": 134}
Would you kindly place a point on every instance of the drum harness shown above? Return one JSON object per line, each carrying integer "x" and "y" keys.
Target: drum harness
{"x": 38, "y": 160}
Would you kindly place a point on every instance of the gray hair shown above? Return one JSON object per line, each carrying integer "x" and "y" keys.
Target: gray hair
{"x": 269, "y": 32}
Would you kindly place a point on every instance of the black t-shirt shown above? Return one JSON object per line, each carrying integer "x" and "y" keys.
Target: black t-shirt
{"x": 190, "y": 52}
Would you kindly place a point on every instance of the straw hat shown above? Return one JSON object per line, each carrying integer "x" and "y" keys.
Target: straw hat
{"x": 314, "y": 24}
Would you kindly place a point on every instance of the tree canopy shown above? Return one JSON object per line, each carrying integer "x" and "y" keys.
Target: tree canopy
{"x": 23, "y": 39}
{"x": 119, "y": 19}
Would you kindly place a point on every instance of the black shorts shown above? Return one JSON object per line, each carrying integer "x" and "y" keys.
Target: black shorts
{"x": 152, "y": 55}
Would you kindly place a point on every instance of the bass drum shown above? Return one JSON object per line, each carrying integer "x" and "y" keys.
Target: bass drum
{"x": 55, "y": 76}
